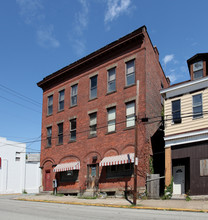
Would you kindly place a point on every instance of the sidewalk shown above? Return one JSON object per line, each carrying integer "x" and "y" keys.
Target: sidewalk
{"x": 176, "y": 205}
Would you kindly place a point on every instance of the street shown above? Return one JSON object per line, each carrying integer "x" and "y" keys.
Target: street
{"x": 14, "y": 209}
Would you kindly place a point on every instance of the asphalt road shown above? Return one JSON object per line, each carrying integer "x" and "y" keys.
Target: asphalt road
{"x": 13, "y": 209}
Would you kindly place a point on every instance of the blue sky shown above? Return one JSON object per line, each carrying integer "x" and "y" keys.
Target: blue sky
{"x": 39, "y": 37}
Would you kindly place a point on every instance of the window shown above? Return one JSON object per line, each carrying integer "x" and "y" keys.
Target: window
{"x": 123, "y": 170}
{"x": 112, "y": 80}
{"x": 204, "y": 167}
{"x": 198, "y": 70}
{"x": 130, "y": 114}
{"x": 61, "y": 100}
{"x": 111, "y": 119}
{"x": 60, "y": 133}
{"x": 74, "y": 95}
{"x": 130, "y": 73}
{"x": 93, "y": 87}
{"x": 93, "y": 124}
{"x": 73, "y": 129}
{"x": 69, "y": 176}
{"x": 50, "y": 104}
{"x": 176, "y": 111}
{"x": 197, "y": 106}
{"x": 49, "y": 134}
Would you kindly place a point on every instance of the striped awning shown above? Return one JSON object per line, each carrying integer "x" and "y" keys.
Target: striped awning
{"x": 116, "y": 160}
{"x": 67, "y": 166}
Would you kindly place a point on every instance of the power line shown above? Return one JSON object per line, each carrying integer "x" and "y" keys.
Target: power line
{"x": 20, "y": 104}
{"x": 17, "y": 94}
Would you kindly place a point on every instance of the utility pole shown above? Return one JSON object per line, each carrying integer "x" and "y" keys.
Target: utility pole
{"x": 136, "y": 145}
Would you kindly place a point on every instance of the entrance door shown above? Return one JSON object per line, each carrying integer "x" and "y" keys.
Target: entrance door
{"x": 92, "y": 176}
{"x": 48, "y": 180}
{"x": 179, "y": 180}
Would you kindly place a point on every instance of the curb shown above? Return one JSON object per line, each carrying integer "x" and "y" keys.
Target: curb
{"x": 116, "y": 206}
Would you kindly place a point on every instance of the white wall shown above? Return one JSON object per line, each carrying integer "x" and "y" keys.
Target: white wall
{"x": 33, "y": 177}
{"x": 12, "y": 171}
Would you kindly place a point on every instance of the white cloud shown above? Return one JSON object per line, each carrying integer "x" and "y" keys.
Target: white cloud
{"x": 46, "y": 37}
{"x": 30, "y": 10}
{"x": 82, "y": 17}
{"x": 168, "y": 58}
{"x": 116, "y": 8}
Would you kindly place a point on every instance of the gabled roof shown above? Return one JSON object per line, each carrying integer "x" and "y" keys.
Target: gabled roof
{"x": 106, "y": 49}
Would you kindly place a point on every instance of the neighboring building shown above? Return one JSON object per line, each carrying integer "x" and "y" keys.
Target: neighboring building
{"x": 33, "y": 180}
{"x": 88, "y": 118}
{"x": 186, "y": 130}
{"x": 12, "y": 166}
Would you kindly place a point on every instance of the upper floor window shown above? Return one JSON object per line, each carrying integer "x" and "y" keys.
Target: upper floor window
{"x": 93, "y": 124}
{"x": 112, "y": 80}
{"x": 74, "y": 95}
{"x": 130, "y": 114}
{"x": 176, "y": 111}
{"x": 50, "y": 104}
{"x": 93, "y": 87}
{"x": 61, "y": 100}
{"x": 73, "y": 129}
{"x": 130, "y": 72}
{"x": 60, "y": 133}
{"x": 197, "y": 106}
{"x": 111, "y": 119}
{"x": 198, "y": 70}
{"x": 49, "y": 135}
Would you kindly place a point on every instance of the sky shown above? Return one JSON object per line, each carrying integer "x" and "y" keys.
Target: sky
{"x": 39, "y": 37}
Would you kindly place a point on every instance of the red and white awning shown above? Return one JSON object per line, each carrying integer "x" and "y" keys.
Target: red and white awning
{"x": 67, "y": 166}
{"x": 116, "y": 160}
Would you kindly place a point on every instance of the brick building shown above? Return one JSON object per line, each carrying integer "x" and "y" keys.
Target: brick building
{"x": 186, "y": 130}
{"x": 88, "y": 118}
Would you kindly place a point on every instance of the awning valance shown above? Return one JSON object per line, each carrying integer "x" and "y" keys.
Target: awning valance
{"x": 116, "y": 160}
{"x": 67, "y": 166}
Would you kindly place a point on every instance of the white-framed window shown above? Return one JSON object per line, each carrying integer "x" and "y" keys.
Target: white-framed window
{"x": 60, "y": 133}
{"x": 204, "y": 167}
{"x": 50, "y": 105}
{"x": 112, "y": 80}
{"x": 73, "y": 129}
{"x": 130, "y": 72}
{"x": 74, "y": 95}
{"x": 130, "y": 114}
{"x": 17, "y": 156}
{"x": 61, "y": 100}
{"x": 176, "y": 111}
{"x": 93, "y": 124}
{"x": 49, "y": 135}
{"x": 111, "y": 119}
{"x": 198, "y": 70}
{"x": 197, "y": 106}
{"x": 93, "y": 87}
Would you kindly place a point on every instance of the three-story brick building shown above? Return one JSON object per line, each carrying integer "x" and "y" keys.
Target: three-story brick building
{"x": 88, "y": 119}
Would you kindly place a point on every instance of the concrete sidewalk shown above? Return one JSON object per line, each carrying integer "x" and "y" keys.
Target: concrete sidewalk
{"x": 175, "y": 205}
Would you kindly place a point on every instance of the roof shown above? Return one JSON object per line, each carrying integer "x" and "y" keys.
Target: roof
{"x": 106, "y": 49}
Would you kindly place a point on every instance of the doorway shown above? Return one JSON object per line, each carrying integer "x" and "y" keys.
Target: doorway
{"x": 178, "y": 180}
{"x": 92, "y": 176}
{"x": 48, "y": 181}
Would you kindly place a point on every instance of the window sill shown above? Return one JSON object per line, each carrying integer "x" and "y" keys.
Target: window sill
{"x": 92, "y": 99}
{"x": 73, "y": 106}
{"x": 72, "y": 141}
{"x": 92, "y": 136}
{"x": 59, "y": 144}
{"x": 129, "y": 128}
{"x": 112, "y": 132}
{"x": 197, "y": 117}
{"x": 126, "y": 87}
{"x": 48, "y": 147}
{"x": 49, "y": 115}
{"x": 60, "y": 110}
{"x": 109, "y": 93}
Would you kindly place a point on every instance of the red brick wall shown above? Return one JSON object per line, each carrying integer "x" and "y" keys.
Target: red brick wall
{"x": 122, "y": 141}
